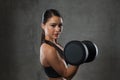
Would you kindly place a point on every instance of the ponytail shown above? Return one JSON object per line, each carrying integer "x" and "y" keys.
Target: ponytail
{"x": 42, "y": 36}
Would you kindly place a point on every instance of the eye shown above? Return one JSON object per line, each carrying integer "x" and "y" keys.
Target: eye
{"x": 53, "y": 25}
{"x": 60, "y": 25}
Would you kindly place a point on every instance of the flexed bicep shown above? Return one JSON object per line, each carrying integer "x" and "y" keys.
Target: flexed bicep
{"x": 56, "y": 62}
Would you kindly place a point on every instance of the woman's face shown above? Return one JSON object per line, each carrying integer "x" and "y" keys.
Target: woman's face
{"x": 53, "y": 27}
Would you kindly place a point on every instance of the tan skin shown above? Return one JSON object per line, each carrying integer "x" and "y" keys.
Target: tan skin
{"x": 49, "y": 55}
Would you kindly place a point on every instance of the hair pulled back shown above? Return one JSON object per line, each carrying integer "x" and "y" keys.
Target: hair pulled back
{"x": 47, "y": 15}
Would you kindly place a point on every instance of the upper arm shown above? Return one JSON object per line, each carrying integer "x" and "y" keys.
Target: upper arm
{"x": 55, "y": 61}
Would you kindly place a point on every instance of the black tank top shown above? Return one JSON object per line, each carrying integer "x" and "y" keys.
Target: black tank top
{"x": 49, "y": 70}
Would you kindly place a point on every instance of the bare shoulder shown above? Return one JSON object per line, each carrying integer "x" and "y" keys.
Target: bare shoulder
{"x": 47, "y": 53}
{"x": 47, "y": 49}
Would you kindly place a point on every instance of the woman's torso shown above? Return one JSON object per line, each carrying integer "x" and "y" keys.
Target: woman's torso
{"x": 48, "y": 69}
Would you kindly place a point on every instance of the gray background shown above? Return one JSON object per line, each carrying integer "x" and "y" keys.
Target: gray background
{"x": 95, "y": 20}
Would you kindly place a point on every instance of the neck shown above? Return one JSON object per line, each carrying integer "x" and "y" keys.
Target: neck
{"x": 49, "y": 39}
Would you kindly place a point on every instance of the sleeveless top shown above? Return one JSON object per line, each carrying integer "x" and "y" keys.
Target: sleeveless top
{"x": 49, "y": 70}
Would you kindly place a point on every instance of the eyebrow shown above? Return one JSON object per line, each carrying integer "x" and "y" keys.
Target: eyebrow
{"x": 56, "y": 23}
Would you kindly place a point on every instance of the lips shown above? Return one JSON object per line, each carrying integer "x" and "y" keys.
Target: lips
{"x": 56, "y": 35}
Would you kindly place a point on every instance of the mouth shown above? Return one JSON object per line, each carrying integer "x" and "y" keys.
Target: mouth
{"x": 56, "y": 35}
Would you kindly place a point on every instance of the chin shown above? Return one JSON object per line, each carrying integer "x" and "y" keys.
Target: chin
{"x": 56, "y": 37}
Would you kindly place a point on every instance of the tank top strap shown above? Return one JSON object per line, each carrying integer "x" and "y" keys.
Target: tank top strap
{"x": 56, "y": 47}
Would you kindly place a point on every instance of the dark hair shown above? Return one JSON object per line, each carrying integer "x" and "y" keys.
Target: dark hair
{"x": 46, "y": 15}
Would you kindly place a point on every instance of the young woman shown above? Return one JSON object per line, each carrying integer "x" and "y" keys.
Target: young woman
{"x": 51, "y": 53}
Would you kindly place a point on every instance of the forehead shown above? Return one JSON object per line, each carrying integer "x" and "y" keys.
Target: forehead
{"x": 55, "y": 19}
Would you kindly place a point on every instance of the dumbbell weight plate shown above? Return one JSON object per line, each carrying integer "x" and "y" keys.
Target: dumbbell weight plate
{"x": 92, "y": 50}
{"x": 75, "y": 52}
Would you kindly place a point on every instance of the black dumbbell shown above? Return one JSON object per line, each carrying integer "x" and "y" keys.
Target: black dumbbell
{"x": 79, "y": 52}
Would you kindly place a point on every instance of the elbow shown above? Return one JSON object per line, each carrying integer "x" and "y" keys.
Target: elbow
{"x": 70, "y": 72}
{"x": 66, "y": 75}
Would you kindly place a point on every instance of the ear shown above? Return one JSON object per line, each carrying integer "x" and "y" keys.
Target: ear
{"x": 42, "y": 26}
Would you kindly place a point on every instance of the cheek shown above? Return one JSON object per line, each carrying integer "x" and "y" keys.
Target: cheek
{"x": 48, "y": 31}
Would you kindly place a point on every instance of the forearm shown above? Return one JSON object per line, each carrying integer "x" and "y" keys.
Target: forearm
{"x": 70, "y": 72}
